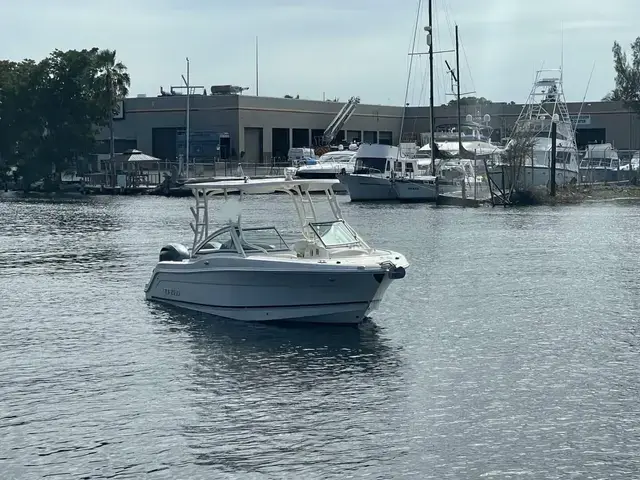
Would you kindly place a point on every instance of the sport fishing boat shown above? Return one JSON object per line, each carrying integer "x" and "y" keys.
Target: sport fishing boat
{"x": 250, "y": 273}
{"x": 546, "y": 105}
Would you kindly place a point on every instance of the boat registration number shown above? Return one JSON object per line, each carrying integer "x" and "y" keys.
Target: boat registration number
{"x": 172, "y": 292}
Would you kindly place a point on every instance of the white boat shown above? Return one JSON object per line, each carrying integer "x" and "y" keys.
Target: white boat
{"x": 475, "y": 138}
{"x": 374, "y": 166}
{"x": 600, "y": 163}
{"x": 383, "y": 173}
{"x": 546, "y": 105}
{"x": 331, "y": 275}
{"x": 453, "y": 174}
{"x": 329, "y": 165}
{"x": 633, "y": 164}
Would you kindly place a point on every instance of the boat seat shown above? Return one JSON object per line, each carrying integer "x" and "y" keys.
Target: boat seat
{"x": 305, "y": 248}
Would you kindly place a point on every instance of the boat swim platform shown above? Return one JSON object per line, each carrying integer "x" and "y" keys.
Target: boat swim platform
{"x": 471, "y": 199}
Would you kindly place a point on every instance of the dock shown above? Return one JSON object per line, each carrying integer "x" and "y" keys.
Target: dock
{"x": 469, "y": 197}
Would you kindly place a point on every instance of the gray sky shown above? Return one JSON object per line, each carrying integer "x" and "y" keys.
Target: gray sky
{"x": 341, "y": 48}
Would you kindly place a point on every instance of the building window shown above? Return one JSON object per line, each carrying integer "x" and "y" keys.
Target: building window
{"x": 204, "y": 145}
{"x": 280, "y": 143}
{"x": 370, "y": 136}
{"x": 300, "y": 138}
{"x": 385, "y": 138}
{"x": 353, "y": 135}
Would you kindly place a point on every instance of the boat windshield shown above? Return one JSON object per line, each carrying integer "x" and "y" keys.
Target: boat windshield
{"x": 562, "y": 156}
{"x": 334, "y": 234}
{"x": 370, "y": 165}
{"x": 252, "y": 239}
{"x": 343, "y": 158}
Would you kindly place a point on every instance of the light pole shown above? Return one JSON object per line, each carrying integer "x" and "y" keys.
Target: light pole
{"x": 187, "y": 133}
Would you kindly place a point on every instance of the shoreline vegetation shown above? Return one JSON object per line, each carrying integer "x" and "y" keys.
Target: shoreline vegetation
{"x": 52, "y": 109}
{"x": 582, "y": 193}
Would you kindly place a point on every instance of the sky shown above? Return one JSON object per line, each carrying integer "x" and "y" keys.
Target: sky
{"x": 335, "y": 48}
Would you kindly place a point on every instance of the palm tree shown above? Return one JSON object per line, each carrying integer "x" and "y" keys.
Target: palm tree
{"x": 113, "y": 75}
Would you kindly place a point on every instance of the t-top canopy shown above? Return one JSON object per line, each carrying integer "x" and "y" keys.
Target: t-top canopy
{"x": 264, "y": 185}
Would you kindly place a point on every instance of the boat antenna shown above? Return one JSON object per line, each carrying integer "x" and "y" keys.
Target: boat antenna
{"x": 411, "y": 55}
{"x": 583, "y": 99}
{"x": 561, "y": 50}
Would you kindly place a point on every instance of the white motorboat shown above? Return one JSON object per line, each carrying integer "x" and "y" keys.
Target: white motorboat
{"x": 331, "y": 275}
{"x": 600, "y": 163}
{"x": 475, "y": 138}
{"x": 546, "y": 105}
{"x": 329, "y": 165}
{"x": 383, "y": 173}
{"x": 371, "y": 177}
{"x": 453, "y": 174}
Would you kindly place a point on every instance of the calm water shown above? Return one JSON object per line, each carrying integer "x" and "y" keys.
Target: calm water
{"x": 510, "y": 350}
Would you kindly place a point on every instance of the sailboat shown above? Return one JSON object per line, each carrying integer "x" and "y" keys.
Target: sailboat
{"x": 383, "y": 172}
{"x": 456, "y": 167}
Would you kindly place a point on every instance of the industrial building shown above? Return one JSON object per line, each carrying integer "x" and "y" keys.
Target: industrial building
{"x": 262, "y": 129}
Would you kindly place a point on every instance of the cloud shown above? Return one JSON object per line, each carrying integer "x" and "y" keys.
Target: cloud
{"x": 342, "y": 48}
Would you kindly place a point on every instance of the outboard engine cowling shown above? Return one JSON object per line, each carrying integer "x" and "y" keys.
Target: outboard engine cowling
{"x": 174, "y": 252}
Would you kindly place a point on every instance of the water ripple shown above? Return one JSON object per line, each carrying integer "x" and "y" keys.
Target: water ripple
{"x": 509, "y": 351}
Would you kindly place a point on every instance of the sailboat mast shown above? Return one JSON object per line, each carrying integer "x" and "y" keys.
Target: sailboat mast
{"x": 431, "y": 118}
{"x": 458, "y": 91}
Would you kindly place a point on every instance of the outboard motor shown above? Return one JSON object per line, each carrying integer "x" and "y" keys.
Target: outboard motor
{"x": 174, "y": 252}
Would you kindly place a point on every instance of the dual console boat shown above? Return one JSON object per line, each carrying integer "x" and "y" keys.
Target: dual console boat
{"x": 250, "y": 273}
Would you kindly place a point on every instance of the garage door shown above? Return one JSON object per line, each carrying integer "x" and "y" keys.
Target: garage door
{"x": 253, "y": 145}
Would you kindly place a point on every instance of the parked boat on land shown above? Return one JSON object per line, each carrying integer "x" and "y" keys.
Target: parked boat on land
{"x": 600, "y": 163}
{"x": 250, "y": 273}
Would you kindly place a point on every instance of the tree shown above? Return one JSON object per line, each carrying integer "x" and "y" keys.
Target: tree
{"x": 116, "y": 80}
{"x": 627, "y": 79}
{"x": 50, "y": 110}
{"x": 517, "y": 154}
{"x": 612, "y": 96}
{"x": 464, "y": 101}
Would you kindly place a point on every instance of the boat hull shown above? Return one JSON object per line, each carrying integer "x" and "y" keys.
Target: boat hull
{"x": 249, "y": 294}
{"x": 598, "y": 175}
{"x": 412, "y": 190}
{"x": 531, "y": 176}
{"x": 364, "y": 188}
{"x": 337, "y": 188}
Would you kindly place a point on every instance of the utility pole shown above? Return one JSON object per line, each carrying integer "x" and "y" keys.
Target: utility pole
{"x": 554, "y": 136}
{"x": 256, "y": 65}
{"x": 188, "y": 132}
{"x": 187, "y": 85}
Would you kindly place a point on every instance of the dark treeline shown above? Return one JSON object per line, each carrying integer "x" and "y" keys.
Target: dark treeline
{"x": 50, "y": 110}
{"x": 627, "y": 80}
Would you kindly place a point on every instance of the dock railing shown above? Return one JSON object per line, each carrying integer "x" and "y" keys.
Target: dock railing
{"x": 154, "y": 173}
